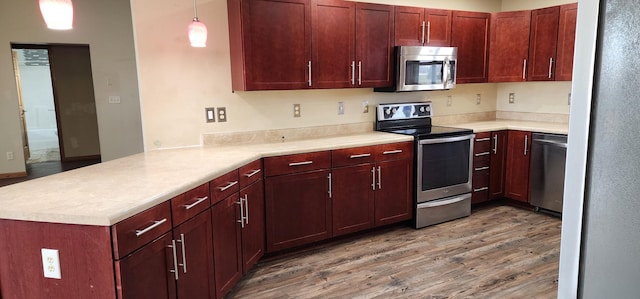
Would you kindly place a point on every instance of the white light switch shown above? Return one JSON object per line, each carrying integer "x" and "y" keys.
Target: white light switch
{"x": 51, "y": 263}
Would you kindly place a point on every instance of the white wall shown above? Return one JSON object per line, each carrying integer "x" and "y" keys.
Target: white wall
{"x": 106, "y": 26}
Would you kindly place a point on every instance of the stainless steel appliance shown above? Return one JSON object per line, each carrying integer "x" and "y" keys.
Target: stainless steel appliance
{"x": 424, "y": 68}
{"x": 443, "y": 161}
{"x": 548, "y": 154}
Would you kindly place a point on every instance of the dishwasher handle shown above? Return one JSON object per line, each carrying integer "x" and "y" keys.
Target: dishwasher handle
{"x": 551, "y": 143}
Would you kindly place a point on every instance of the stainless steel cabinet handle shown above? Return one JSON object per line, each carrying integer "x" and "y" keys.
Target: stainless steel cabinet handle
{"x": 373, "y": 178}
{"x": 379, "y": 178}
{"x": 175, "y": 259}
{"x": 353, "y": 73}
{"x": 392, "y": 152}
{"x": 422, "y": 38}
{"x": 482, "y": 154}
{"x": 550, "y": 66}
{"x": 155, "y": 224}
{"x": 483, "y": 139}
{"x": 252, "y": 173}
{"x": 246, "y": 209}
{"x": 359, "y": 72}
{"x": 231, "y": 184}
{"x": 480, "y": 189}
{"x": 197, "y": 202}
{"x": 428, "y": 32}
{"x": 184, "y": 254}
{"x": 241, "y": 220}
{"x": 526, "y": 144}
{"x": 300, "y": 163}
{"x": 524, "y": 69}
{"x": 359, "y": 156}
{"x": 495, "y": 144}
{"x": 329, "y": 177}
{"x": 481, "y": 168}
{"x": 309, "y": 65}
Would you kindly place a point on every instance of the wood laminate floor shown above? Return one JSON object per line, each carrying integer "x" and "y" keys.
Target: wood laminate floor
{"x": 497, "y": 252}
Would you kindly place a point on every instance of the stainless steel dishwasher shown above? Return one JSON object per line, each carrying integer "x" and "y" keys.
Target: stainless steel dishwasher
{"x": 548, "y": 155}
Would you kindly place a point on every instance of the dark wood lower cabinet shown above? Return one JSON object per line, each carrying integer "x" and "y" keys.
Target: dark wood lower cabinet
{"x": 353, "y": 198}
{"x": 498, "y": 162}
{"x": 226, "y": 244}
{"x": 393, "y": 197}
{"x": 253, "y": 239}
{"x": 517, "y": 167}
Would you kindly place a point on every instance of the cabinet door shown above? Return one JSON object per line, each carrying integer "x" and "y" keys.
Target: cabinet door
{"x": 374, "y": 45}
{"x": 517, "y": 176}
{"x": 393, "y": 196}
{"x": 146, "y": 272}
{"x": 270, "y": 43}
{"x": 195, "y": 258}
{"x": 470, "y": 33}
{"x": 298, "y": 209}
{"x": 566, "y": 41}
{"x": 226, "y": 243}
{"x": 333, "y": 32}
{"x": 509, "y": 46}
{"x": 352, "y": 200}
{"x": 543, "y": 42}
{"x": 410, "y": 26}
{"x": 497, "y": 166}
{"x": 438, "y": 31}
{"x": 253, "y": 240}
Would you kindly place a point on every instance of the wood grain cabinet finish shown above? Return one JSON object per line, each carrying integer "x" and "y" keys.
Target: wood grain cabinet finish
{"x": 543, "y": 43}
{"x": 270, "y": 43}
{"x": 470, "y": 33}
{"x": 140, "y": 229}
{"x": 252, "y": 215}
{"x": 517, "y": 165}
{"x": 481, "y": 167}
{"x": 509, "y": 53}
{"x": 566, "y": 41}
{"x": 224, "y": 186}
{"x": 227, "y": 243}
{"x": 417, "y": 26}
{"x": 498, "y": 163}
{"x": 185, "y": 206}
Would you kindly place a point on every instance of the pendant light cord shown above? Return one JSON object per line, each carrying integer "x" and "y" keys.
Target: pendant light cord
{"x": 195, "y": 10}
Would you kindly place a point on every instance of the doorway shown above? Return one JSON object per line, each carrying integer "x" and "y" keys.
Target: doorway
{"x": 57, "y": 103}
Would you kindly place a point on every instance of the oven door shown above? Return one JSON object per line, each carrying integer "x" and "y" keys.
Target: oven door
{"x": 444, "y": 167}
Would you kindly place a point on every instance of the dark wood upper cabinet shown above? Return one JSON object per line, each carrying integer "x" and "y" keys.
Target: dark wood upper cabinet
{"x": 470, "y": 33}
{"x": 517, "y": 165}
{"x": 509, "y": 46}
{"x": 374, "y": 45}
{"x": 270, "y": 43}
{"x": 566, "y": 41}
{"x": 543, "y": 41}
{"x": 416, "y": 26}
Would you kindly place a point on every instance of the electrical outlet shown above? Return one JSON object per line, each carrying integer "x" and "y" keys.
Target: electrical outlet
{"x": 114, "y": 99}
{"x": 365, "y": 106}
{"x": 512, "y": 98}
{"x": 51, "y": 263}
{"x": 296, "y": 110}
{"x": 340, "y": 108}
{"x": 9, "y": 155}
{"x": 210, "y": 114}
{"x": 222, "y": 114}
{"x": 569, "y": 99}
{"x": 449, "y": 101}
{"x": 478, "y": 99}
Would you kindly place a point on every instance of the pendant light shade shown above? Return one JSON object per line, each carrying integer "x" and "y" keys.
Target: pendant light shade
{"x": 58, "y": 14}
{"x": 197, "y": 30}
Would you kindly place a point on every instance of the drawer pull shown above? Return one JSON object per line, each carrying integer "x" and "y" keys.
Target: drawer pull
{"x": 359, "y": 156}
{"x": 140, "y": 232}
{"x": 480, "y": 189}
{"x": 482, "y": 168}
{"x": 231, "y": 184}
{"x": 483, "y": 139}
{"x": 392, "y": 152}
{"x": 197, "y": 202}
{"x": 252, "y": 173}
{"x": 300, "y": 163}
{"x": 482, "y": 154}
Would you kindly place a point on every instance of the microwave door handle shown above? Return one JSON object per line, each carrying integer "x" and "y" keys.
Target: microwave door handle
{"x": 445, "y": 72}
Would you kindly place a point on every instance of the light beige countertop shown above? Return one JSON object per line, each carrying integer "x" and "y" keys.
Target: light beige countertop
{"x": 106, "y": 193}
{"x": 533, "y": 126}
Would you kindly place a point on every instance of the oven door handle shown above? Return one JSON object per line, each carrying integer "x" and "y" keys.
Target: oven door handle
{"x": 446, "y": 139}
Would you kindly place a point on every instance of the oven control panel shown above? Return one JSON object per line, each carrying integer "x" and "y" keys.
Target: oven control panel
{"x": 404, "y": 111}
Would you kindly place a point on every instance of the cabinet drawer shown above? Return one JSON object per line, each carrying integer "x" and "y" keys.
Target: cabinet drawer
{"x": 480, "y": 181}
{"x": 135, "y": 231}
{"x": 250, "y": 173}
{"x": 394, "y": 151}
{"x": 481, "y": 164}
{"x": 352, "y": 156}
{"x": 190, "y": 203}
{"x": 482, "y": 144}
{"x": 223, "y": 186}
{"x": 297, "y": 163}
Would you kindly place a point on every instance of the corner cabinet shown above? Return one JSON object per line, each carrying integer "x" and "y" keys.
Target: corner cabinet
{"x": 470, "y": 33}
{"x": 517, "y": 165}
{"x": 509, "y": 46}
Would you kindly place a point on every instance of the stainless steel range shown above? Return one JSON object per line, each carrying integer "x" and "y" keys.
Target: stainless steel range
{"x": 443, "y": 161}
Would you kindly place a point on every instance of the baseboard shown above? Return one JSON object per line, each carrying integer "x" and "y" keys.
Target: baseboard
{"x": 13, "y": 175}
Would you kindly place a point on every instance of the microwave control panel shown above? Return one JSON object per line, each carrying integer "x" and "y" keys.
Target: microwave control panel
{"x": 404, "y": 111}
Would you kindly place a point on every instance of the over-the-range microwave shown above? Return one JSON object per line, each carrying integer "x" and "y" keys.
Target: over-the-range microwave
{"x": 423, "y": 68}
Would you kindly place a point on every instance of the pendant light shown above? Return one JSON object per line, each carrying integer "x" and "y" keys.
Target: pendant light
{"x": 197, "y": 30}
{"x": 58, "y": 14}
